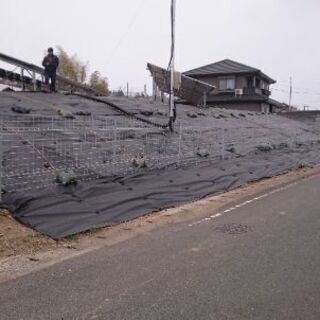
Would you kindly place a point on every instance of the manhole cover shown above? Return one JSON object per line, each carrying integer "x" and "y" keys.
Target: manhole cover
{"x": 232, "y": 228}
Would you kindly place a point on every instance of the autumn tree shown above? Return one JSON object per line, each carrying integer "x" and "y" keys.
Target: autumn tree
{"x": 72, "y": 67}
{"x": 99, "y": 83}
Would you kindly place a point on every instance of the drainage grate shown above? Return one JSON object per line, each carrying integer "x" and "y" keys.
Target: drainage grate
{"x": 232, "y": 228}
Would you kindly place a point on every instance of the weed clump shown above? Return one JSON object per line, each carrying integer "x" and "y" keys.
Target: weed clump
{"x": 264, "y": 147}
{"x": 140, "y": 161}
{"x": 202, "y": 153}
{"x": 66, "y": 177}
{"x": 192, "y": 115}
{"x": 65, "y": 114}
{"x": 20, "y": 110}
{"x": 231, "y": 148}
{"x": 83, "y": 113}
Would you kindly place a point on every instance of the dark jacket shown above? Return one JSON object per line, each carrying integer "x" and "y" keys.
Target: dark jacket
{"x": 50, "y": 63}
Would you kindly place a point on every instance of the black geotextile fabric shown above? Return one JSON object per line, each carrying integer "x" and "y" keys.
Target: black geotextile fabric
{"x": 64, "y": 211}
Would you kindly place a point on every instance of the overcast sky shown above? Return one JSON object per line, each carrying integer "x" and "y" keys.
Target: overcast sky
{"x": 118, "y": 37}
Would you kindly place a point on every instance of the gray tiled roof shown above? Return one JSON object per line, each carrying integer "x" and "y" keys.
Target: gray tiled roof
{"x": 226, "y": 66}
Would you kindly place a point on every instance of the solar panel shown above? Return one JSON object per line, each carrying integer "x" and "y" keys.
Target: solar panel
{"x": 186, "y": 88}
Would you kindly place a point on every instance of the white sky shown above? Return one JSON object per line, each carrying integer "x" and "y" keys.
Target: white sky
{"x": 118, "y": 37}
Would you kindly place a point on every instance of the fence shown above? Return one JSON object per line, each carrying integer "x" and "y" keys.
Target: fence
{"x": 38, "y": 152}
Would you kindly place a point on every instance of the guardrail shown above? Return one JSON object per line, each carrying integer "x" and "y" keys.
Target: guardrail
{"x": 33, "y": 70}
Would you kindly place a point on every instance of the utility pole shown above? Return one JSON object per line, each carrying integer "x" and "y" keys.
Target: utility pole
{"x": 154, "y": 90}
{"x": 22, "y": 79}
{"x": 127, "y": 89}
{"x": 290, "y": 92}
{"x": 172, "y": 64}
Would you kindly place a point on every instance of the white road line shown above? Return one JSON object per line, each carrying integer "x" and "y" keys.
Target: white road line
{"x": 215, "y": 215}
{"x": 245, "y": 203}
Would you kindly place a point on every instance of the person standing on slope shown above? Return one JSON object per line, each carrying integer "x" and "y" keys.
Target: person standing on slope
{"x": 50, "y": 63}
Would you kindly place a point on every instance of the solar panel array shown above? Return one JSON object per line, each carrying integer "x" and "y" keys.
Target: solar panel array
{"x": 187, "y": 88}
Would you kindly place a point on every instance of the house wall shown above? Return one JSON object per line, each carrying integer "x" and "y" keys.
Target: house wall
{"x": 265, "y": 107}
{"x": 241, "y": 81}
{"x": 210, "y": 80}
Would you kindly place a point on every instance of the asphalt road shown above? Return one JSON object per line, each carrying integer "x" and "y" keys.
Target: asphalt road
{"x": 258, "y": 261}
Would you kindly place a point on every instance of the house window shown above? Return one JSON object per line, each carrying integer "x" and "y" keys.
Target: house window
{"x": 258, "y": 83}
{"x": 265, "y": 85}
{"x": 249, "y": 82}
{"x": 227, "y": 84}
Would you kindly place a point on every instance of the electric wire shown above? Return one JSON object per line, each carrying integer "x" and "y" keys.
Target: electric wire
{"x": 127, "y": 31}
{"x": 121, "y": 110}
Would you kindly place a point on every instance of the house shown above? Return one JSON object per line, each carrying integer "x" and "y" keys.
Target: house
{"x": 238, "y": 86}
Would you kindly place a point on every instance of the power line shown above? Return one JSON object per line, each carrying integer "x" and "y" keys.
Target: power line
{"x": 297, "y": 92}
{"x": 300, "y": 89}
{"x": 283, "y": 83}
{"x": 127, "y": 31}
